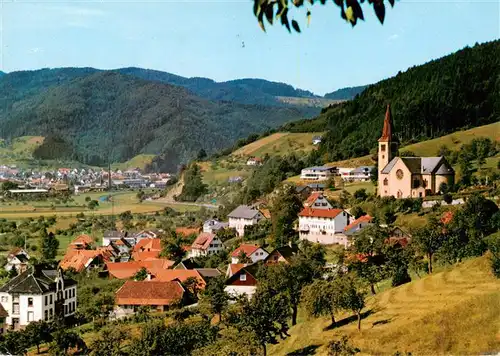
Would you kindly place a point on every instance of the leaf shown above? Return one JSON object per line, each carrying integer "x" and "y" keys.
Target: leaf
{"x": 349, "y": 13}
{"x": 260, "y": 17}
{"x": 270, "y": 13}
{"x": 358, "y": 12}
{"x": 379, "y": 8}
{"x": 295, "y": 26}
{"x": 391, "y": 2}
{"x": 284, "y": 19}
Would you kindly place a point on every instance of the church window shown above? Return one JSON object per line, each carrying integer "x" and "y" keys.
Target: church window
{"x": 386, "y": 181}
{"x": 382, "y": 148}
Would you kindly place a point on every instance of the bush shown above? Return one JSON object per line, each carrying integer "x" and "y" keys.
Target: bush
{"x": 448, "y": 199}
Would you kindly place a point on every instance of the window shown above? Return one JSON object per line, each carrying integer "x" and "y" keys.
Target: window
{"x": 382, "y": 148}
{"x": 65, "y": 309}
{"x": 46, "y": 315}
{"x": 65, "y": 294}
{"x": 416, "y": 183}
{"x": 5, "y": 299}
{"x": 243, "y": 277}
{"x": 51, "y": 312}
{"x": 46, "y": 299}
{"x": 31, "y": 316}
{"x": 386, "y": 182}
{"x": 30, "y": 302}
{"x": 50, "y": 301}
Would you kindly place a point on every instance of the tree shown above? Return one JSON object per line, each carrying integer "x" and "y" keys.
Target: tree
{"x": 360, "y": 194}
{"x": 368, "y": 246}
{"x": 48, "y": 245}
{"x": 193, "y": 186}
{"x": 226, "y": 234}
{"x": 494, "y": 247}
{"x": 93, "y": 204}
{"x": 192, "y": 287}
{"x": 172, "y": 247}
{"x": 341, "y": 347}
{"x": 448, "y": 198}
{"x": 215, "y": 296}
{"x": 350, "y": 11}
{"x": 201, "y": 155}
{"x": 266, "y": 316}
{"x": 141, "y": 274}
{"x": 65, "y": 340}
{"x": 429, "y": 239}
{"x": 38, "y": 332}
{"x": 243, "y": 258}
{"x": 357, "y": 211}
{"x": 352, "y": 297}
{"x": 322, "y": 298}
{"x": 110, "y": 342}
{"x": 285, "y": 207}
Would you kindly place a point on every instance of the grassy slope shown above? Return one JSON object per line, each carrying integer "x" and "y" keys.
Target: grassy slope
{"x": 456, "y": 311}
{"x": 20, "y": 149}
{"x": 139, "y": 161}
{"x": 278, "y": 144}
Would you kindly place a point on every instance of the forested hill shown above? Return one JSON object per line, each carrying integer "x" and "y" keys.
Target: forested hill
{"x": 345, "y": 93}
{"x": 111, "y": 116}
{"x": 458, "y": 91}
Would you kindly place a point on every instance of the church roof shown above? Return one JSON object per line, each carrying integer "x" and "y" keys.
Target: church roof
{"x": 421, "y": 165}
{"x": 387, "y": 130}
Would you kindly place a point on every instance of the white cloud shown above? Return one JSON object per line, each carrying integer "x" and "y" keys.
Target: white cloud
{"x": 393, "y": 37}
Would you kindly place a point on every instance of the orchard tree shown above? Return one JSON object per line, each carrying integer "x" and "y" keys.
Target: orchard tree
{"x": 172, "y": 247}
{"x": 350, "y": 10}
{"x": 38, "y": 332}
{"x": 285, "y": 207}
{"x": 429, "y": 239}
{"x": 48, "y": 245}
{"x": 110, "y": 342}
{"x": 352, "y": 296}
{"x": 322, "y": 298}
{"x": 215, "y": 296}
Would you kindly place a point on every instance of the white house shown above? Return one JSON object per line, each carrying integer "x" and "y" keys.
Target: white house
{"x": 18, "y": 259}
{"x": 360, "y": 174}
{"x": 214, "y": 225}
{"x": 206, "y": 244}
{"x": 324, "y": 226}
{"x": 318, "y": 173}
{"x": 242, "y": 216}
{"x": 316, "y": 140}
{"x": 37, "y": 294}
{"x": 254, "y": 252}
{"x": 254, "y": 161}
{"x": 114, "y": 236}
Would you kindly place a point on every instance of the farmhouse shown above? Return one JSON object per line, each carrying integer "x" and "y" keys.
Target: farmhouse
{"x": 18, "y": 259}
{"x": 243, "y": 281}
{"x": 37, "y": 294}
{"x": 358, "y": 225}
{"x": 317, "y": 201}
{"x": 318, "y": 173}
{"x": 243, "y": 216}
{"x": 283, "y": 254}
{"x": 206, "y": 244}
{"x": 325, "y": 226}
{"x": 254, "y": 161}
{"x": 408, "y": 177}
{"x": 254, "y": 252}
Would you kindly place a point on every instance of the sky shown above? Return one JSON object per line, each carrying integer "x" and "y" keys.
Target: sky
{"x": 221, "y": 39}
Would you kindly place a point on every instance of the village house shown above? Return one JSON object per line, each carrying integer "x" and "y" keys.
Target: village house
{"x": 254, "y": 252}
{"x": 127, "y": 270}
{"x": 325, "y": 226}
{"x": 113, "y": 236}
{"x": 358, "y": 225}
{"x": 214, "y": 225}
{"x": 318, "y": 173}
{"x": 317, "y": 201}
{"x": 243, "y": 281}
{"x": 206, "y": 244}
{"x": 84, "y": 260}
{"x": 37, "y": 294}
{"x": 157, "y": 295}
{"x": 254, "y": 161}
{"x": 408, "y": 177}
{"x": 82, "y": 242}
{"x": 18, "y": 258}
{"x": 242, "y": 216}
{"x": 283, "y": 254}
{"x": 147, "y": 249}
{"x": 359, "y": 174}
{"x": 303, "y": 191}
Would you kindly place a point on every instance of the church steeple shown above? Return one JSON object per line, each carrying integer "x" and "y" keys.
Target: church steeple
{"x": 387, "y": 130}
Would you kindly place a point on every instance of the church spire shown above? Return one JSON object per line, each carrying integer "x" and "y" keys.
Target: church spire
{"x": 387, "y": 130}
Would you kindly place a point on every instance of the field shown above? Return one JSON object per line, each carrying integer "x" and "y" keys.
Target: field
{"x": 456, "y": 311}
{"x": 221, "y": 172}
{"x": 278, "y": 144}
{"x": 123, "y": 201}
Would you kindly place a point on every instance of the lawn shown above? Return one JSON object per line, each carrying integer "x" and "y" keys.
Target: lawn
{"x": 279, "y": 144}
{"x": 456, "y": 311}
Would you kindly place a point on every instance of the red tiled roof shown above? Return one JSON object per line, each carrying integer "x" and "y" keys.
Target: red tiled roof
{"x": 146, "y": 255}
{"x": 149, "y": 293}
{"x": 126, "y": 270}
{"x": 248, "y": 249}
{"x": 203, "y": 241}
{"x": 78, "y": 259}
{"x": 235, "y": 267}
{"x": 312, "y": 198}
{"x": 178, "y": 274}
{"x": 361, "y": 219}
{"x": 148, "y": 245}
{"x": 320, "y": 213}
{"x": 84, "y": 240}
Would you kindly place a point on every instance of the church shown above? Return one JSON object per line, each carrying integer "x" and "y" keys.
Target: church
{"x": 408, "y": 177}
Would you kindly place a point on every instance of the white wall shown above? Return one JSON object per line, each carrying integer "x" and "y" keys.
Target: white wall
{"x": 239, "y": 224}
{"x": 324, "y": 230}
{"x": 241, "y": 290}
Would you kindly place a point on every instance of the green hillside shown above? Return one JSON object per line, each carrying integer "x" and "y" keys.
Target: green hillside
{"x": 456, "y": 311}
{"x": 19, "y": 149}
{"x": 455, "y": 92}
{"x": 107, "y": 116}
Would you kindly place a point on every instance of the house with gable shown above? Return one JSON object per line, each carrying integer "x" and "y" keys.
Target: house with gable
{"x": 317, "y": 201}
{"x": 358, "y": 225}
{"x": 82, "y": 242}
{"x": 18, "y": 258}
{"x": 113, "y": 236}
{"x": 243, "y": 281}
{"x": 242, "y": 216}
{"x": 147, "y": 249}
{"x": 324, "y": 226}
{"x": 283, "y": 254}
{"x": 84, "y": 260}
{"x": 408, "y": 177}
{"x": 37, "y": 294}
{"x": 214, "y": 225}
{"x": 206, "y": 244}
{"x": 254, "y": 252}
